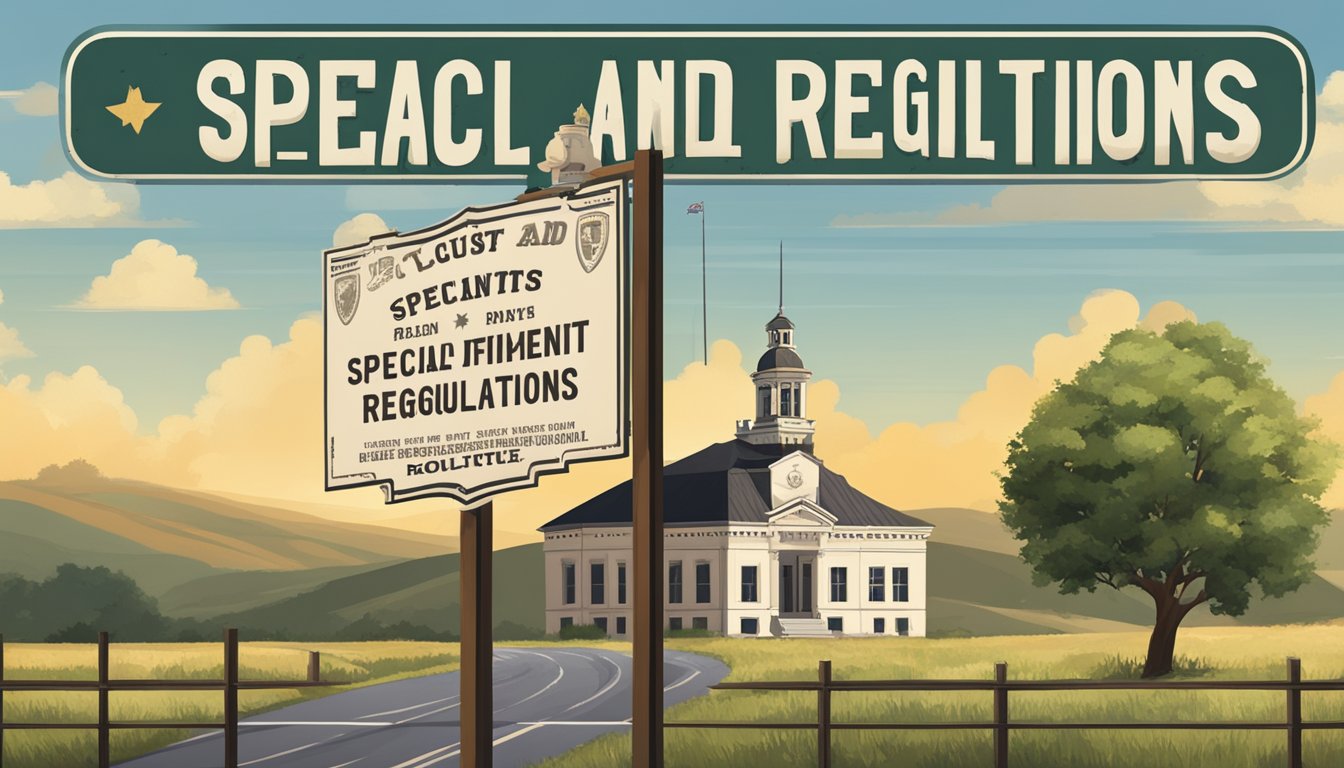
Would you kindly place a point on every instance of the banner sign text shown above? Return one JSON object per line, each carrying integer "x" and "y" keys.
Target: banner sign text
{"x": 736, "y": 103}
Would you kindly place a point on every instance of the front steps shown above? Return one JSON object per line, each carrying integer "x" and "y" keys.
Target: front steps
{"x": 799, "y": 627}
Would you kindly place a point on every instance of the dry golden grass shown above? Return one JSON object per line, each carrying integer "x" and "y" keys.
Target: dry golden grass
{"x": 1219, "y": 653}
{"x": 353, "y": 663}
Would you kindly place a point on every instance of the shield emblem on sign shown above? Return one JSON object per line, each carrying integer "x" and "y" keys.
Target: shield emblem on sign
{"x": 594, "y": 232}
{"x": 346, "y": 289}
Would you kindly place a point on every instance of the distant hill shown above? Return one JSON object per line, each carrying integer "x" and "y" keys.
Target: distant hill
{"x": 34, "y": 540}
{"x": 260, "y": 566}
{"x": 969, "y": 528}
{"x": 423, "y": 591}
{"x": 978, "y": 585}
{"x": 236, "y": 591}
{"x": 163, "y": 537}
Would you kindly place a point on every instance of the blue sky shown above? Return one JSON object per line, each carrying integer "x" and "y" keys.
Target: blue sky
{"x": 908, "y": 319}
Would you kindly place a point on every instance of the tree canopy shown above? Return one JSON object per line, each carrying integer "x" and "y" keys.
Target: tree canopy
{"x": 1174, "y": 464}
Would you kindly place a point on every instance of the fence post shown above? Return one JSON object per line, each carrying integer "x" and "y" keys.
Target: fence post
{"x": 231, "y": 698}
{"x": 104, "y": 733}
{"x": 2, "y": 701}
{"x": 314, "y": 666}
{"x": 824, "y": 714}
{"x": 1294, "y": 713}
{"x": 1001, "y": 715}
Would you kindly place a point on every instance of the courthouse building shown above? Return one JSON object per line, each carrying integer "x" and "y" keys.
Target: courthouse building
{"x": 761, "y": 538}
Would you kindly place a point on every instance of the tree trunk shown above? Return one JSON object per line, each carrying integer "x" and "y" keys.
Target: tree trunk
{"x": 1162, "y": 643}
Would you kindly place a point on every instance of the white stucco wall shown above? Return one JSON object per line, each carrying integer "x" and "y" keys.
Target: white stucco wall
{"x": 726, "y": 549}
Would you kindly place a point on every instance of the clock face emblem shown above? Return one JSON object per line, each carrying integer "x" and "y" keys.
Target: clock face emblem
{"x": 794, "y": 478}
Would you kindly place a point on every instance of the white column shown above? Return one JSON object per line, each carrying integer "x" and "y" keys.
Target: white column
{"x": 820, "y": 580}
{"x": 774, "y": 582}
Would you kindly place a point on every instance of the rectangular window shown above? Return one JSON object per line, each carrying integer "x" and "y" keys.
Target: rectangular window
{"x": 786, "y": 400}
{"x": 566, "y": 621}
{"x": 620, "y": 625}
{"x": 620, "y": 584}
{"x": 879, "y": 626}
{"x": 765, "y": 401}
{"x": 903, "y": 627}
{"x": 877, "y": 585}
{"x": 601, "y": 623}
{"x": 700, "y": 622}
{"x": 748, "y": 583}
{"x": 702, "y": 582}
{"x": 751, "y": 627}
{"x": 567, "y": 569}
{"x": 674, "y": 582}
{"x": 597, "y": 583}
{"x": 839, "y": 585}
{"x": 900, "y": 585}
{"x": 674, "y": 623}
{"x": 835, "y": 624}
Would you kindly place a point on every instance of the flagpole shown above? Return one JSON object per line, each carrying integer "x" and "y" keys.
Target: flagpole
{"x": 704, "y": 291}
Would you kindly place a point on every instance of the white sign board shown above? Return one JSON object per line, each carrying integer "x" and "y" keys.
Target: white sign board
{"x": 471, "y": 357}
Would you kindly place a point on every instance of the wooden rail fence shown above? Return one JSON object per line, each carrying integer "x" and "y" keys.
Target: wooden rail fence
{"x": 106, "y": 685}
{"x": 1001, "y": 725}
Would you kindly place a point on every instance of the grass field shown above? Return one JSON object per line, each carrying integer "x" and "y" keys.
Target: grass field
{"x": 1208, "y": 653}
{"x": 354, "y": 663}
{"x": 1212, "y": 653}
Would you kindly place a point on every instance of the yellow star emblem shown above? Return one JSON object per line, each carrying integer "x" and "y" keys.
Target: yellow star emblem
{"x": 134, "y": 110}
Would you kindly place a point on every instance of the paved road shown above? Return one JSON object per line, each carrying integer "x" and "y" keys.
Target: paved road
{"x": 547, "y": 700}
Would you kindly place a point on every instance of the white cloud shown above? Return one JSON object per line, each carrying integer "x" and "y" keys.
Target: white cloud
{"x": 1330, "y": 104}
{"x": 79, "y": 416}
{"x": 1311, "y": 195}
{"x": 358, "y": 230}
{"x": 154, "y": 276}
{"x": 954, "y": 463}
{"x": 38, "y": 100}
{"x": 69, "y": 200}
{"x": 11, "y": 346}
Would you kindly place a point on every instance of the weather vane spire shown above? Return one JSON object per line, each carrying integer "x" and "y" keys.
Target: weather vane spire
{"x": 781, "y": 277}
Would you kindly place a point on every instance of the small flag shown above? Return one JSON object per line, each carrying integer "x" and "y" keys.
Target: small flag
{"x": 696, "y": 208}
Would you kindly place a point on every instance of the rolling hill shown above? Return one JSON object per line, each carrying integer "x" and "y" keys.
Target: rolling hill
{"x": 423, "y": 591}
{"x": 258, "y": 565}
{"x": 163, "y": 537}
{"x": 977, "y": 586}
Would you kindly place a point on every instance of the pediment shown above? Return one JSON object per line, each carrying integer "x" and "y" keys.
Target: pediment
{"x": 802, "y": 513}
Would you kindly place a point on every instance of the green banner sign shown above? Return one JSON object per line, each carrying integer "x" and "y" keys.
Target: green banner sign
{"x": 727, "y": 103}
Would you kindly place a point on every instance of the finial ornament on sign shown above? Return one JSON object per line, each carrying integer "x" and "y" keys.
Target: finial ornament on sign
{"x": 569, "y": 154}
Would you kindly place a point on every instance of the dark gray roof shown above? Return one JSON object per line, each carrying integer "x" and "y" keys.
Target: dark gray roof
{"x": 730, "y": 482}
{"x": 779, "y": 357}
{"x": 780, "y": 322}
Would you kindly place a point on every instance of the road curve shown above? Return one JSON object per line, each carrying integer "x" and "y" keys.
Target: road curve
{"x": 547, "y": 701}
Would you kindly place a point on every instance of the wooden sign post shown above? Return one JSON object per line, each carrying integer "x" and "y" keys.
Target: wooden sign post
{"x": 646, "y": 448}
{"x": 476, "y": 680}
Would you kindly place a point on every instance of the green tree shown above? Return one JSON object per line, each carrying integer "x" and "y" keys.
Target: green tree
{"x": 1173, "y": 464}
